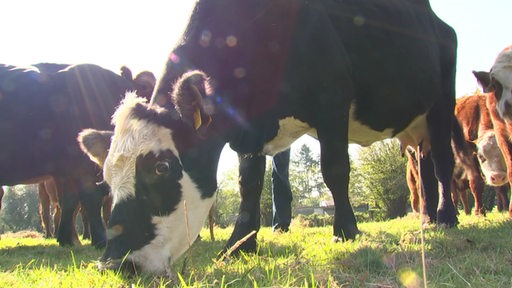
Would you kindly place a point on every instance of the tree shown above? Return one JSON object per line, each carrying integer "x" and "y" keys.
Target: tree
{"x": 306, "y": 178}
{"x": 20, "y": 209}
{"x": 379, "y": 177}
{"x": 228, "y": 198}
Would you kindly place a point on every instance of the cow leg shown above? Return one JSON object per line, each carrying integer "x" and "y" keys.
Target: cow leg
{"x": 335, "y": 166}
{"x": 443, "y": 160}
{"x": 210, "y": 222}
{"x": 106, "y": 206}
{"x": 455, "y": 195}
{"x": 74, "y": 231}
{"x": 44, "y": 209}
{"x": 68, "y": 198}
{"x": 52, "y": 194}
{"x": 57, "y": 214}
{"x": 430, "y": 189}
{"x": 501, "y": 194}
{"x": 464, "y": 198}
{"x": 91, "y": 199}
{"x": 413, "y": 186}
{"x": 85, "y": 222}
{"x": 251, "y": 173}
{"x": 476, "y": 184}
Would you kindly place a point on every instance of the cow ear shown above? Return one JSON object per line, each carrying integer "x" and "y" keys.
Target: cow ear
{"x": 484, "y": 80}
{"x": 126, "y": 73}
{"x": 95, "y": 144}
{"x": 190, "y": 98}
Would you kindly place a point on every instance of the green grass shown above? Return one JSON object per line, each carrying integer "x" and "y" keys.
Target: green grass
{"x": 388, "y": 254}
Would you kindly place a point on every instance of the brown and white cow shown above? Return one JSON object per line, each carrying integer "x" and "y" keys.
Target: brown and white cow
{"x": 498, "y": 84}
{"x": 474, "y": 117}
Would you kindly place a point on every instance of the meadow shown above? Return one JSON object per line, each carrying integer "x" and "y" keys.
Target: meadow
{"x": 387, "y": 254}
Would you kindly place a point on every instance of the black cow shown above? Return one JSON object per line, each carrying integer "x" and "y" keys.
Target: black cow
{"x": 271, "y": 71}
{"x": 42, "y": 108}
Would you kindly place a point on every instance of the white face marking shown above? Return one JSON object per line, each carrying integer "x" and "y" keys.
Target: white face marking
{"x": 132, "y": 138}
{"x": 491, "y": 160}
{"x": 172, "y": 239}
{"x": 119, "y": 169}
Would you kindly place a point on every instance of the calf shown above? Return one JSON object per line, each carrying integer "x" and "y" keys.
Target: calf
{"x": 271, "y": 72}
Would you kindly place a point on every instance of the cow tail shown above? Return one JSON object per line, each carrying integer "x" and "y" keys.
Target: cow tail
{"x": 461, "y": 147}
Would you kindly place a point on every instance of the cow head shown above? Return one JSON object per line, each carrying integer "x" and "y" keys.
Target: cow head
{"x": 490, "y": 158}
{"x": 499, "y": 81}
{"x": 161, "y": 167}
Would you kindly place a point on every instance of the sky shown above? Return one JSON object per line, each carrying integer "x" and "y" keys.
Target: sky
{"x": 140, "y": 34}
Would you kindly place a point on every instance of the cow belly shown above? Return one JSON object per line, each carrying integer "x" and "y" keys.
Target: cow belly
{"x": 290, "y": 129}
{"x": 415, "y": 133}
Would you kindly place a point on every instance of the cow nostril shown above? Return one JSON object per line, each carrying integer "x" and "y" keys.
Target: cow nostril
{"x": 498, "y": 177}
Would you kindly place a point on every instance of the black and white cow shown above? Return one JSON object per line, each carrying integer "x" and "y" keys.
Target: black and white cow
{"x": 258, "y": 74}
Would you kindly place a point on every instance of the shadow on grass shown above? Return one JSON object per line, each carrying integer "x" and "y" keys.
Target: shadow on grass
{"x": 46, "y": 254}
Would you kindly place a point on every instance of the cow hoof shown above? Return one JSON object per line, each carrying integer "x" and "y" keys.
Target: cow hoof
{"x": 346, "y": 236}
{"x": 447, "y": 220}
{"x": 336, "y": 239}
{"x": 65, "y": 243}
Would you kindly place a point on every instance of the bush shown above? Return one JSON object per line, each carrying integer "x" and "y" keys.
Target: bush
{"x": 313, "y": 220}
{"x": 20, "y": 209}
{"x": 378, "y": 178}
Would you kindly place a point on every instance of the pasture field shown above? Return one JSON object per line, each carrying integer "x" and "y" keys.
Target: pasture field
{"x": 388, "y": 254}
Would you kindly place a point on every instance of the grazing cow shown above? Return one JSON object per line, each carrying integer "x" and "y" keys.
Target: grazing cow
{"x": 344, "y": 71}
{"x": 40, "y": 114}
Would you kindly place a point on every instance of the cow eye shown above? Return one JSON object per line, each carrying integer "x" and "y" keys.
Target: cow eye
{"x": 481, "y": 158}
{"x": 162, "y": 168}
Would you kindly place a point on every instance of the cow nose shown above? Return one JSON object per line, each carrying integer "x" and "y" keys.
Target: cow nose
{"x": 498, "y": 178}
